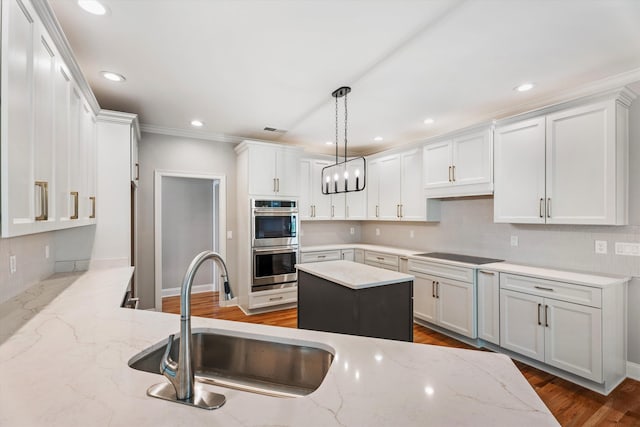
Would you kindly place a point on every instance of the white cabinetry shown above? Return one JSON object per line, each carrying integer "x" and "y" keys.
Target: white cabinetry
{"x": 47, "y": 136}
{"x": 358, "y": 255}
{"x": 314, "y": 205}
{"x": 461, "y": 166}
{"x": 488, "y": 306}
{"x": 348, "y": 255}
{"x": 273, "y": 169}
{"x": 382, "y": 260}
{"x": 575, "y": 328}
{"x": 329, "y": 255}
{"x": 445, "y": 296}
{"x": 395, "y": 191}
{"x": 568, "y": 167}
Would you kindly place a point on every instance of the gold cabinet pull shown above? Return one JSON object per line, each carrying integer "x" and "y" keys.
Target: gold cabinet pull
{"x": 93, "y": 206}
{"x": 44, "y": 200}
{"x": 74, "y": 194}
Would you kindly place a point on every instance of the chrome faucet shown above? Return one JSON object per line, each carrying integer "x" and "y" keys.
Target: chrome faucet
{"x": 180, "y": 374}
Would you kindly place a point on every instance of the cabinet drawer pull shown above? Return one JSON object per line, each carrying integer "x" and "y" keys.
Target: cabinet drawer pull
{"x": 542, "y": 288}
{"x": 539, "y": 306}
{"x": 93, "y": 206}
{"x": 541, "y": 208}
{"x": 321, "y": 256}
{"x": 44, "y": 200}
{"x": 546, "y": 315}
{"x": 74, "y": 194}
{"x": 379, "y": 258}
{"x": 488, "y": 273}
{"x": 549, "y": 207}
{"x": 275, "y": 298}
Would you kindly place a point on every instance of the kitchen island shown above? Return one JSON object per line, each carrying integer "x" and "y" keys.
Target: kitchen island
{"x": 67, "y": 366}
{"x": 357, "y": 299}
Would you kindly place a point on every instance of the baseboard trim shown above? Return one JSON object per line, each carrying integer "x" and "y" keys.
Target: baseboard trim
{"x": 172, "y": 292}
{"x": 633, "y": 371}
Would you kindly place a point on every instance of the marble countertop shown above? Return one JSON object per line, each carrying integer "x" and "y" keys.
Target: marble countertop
{"x": 577, "y": 277}
{"x": 66, "y": 365}
{"x": 353, "y": 275}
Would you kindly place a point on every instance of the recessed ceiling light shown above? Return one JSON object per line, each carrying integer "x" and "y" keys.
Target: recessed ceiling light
{"x": 428, "y": 121}
{"x": 329, "y": 142}
{"x": 92, "y": 6}
{"x": 197, "y": 123}
{"x": 378, "y": 138}
{"x": 114, "y": 77}
{"x": 524, "y": 87}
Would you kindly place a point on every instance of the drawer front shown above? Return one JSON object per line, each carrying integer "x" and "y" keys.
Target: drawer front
{"x": 380, "y": 258}
{"x": 274, "y": 297}
{"x": 320, "y": 256}
{"x": 464, "y": 274}
{"x": 380, "y": 265}
{"x": 561, "y": 291}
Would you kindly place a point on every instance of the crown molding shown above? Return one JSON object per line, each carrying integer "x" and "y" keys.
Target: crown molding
{"x": 51, "y": 24}
{"x": 111, "y": 116}
{"x": 188, "y": 133}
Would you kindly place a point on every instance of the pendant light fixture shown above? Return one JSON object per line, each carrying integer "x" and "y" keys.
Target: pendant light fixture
{"x": 349, "y": 175}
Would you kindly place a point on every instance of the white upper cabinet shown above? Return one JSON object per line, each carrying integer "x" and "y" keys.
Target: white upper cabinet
{"x": 47, "y": 138}
{"x": 313, "y": 204}
{"x": 273, "y": 170}
{"x": 395, "y": 190}
{"x": 568, "y": 167}
{"x": 356, "y": 201}
{"x": 461, "y": 166}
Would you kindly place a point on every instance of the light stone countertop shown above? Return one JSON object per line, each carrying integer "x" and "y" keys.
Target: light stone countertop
{"x": 353, "y": 275}
{"x": 67, "y": 366}
{"x": 577, "y": 277}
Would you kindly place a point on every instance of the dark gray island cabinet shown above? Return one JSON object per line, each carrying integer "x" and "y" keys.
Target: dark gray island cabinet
{"x": 356, "y": 299}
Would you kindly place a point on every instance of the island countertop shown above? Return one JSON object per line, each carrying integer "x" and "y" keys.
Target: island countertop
{"x": 353, "y": 275}
{"x": 67, "y": 366}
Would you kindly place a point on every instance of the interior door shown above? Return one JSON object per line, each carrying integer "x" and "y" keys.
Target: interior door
{"x": 521, "y": 323}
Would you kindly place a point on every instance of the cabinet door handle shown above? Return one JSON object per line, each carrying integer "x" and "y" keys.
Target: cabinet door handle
{"x": 74, "y": 194}
{"x": 398, "y": 211}
{"x": 449, "y": 173}
{"x": 453, "y": 173}
{"x": 401, "y": 211}
{"x": 549, "y": 207}
{"x": 541, "y": 208}
{"x": 333, "y": 211}
{"x": 539, "y": 306}
{"x": 44, "y": 200}
{"x": 377, "y": 211}
{"x": 314, "y": 211}
{"x": 93, "y": 206}
{"x": 437, "y": 290}
{"x": 275, "y": 298}
{"x": 488, "y": 273}
{"x": 433, "y": 289}
{"x": 546, "y": 315}
{"x": 278, "y": 182}
{"x": 542, "y": 288}
{"x": 137, "y": 171}
{"x": 275, "y": 190}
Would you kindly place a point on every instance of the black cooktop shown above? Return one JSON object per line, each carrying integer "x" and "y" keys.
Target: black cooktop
{"x": 460, "y": 258}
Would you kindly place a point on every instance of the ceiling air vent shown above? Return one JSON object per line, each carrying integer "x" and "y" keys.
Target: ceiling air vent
{"x": 270, "y": 129}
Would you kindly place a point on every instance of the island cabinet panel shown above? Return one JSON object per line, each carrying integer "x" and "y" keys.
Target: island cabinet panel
{"x": 379, "y": 312}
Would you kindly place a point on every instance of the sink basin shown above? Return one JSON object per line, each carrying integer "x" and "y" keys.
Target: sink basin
{"x": 273, "y": 368}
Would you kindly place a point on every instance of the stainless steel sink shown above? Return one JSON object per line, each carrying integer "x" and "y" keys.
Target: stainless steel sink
{"x": 267, "y": 367}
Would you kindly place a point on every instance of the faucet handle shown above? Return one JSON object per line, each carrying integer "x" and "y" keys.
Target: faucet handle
{"x": 168, "y": 367}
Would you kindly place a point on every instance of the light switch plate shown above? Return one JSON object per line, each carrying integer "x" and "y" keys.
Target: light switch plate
{"x": 601, "y": 246}
{"x": 352, "y": 230}
{"x": 377, "y": 231}
{"x": 229, "y": 234}
{"x": 514, "y": 240}
{"x": 412, "y": 234}
{"x": 46, "y": 251}
{"x": 12, "y": 264}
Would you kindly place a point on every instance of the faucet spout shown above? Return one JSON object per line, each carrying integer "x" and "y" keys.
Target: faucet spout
{"x": 181, "y": 374}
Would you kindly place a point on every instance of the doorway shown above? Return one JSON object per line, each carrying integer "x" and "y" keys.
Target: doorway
{"x": 189, "y": 214}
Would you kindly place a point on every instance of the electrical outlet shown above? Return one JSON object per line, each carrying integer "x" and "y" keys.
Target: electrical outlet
{"x": 629, "y": 249}
{"x": 377, "y": 231}
{"x": 601, "y": 246}
{"x": 514, "y": 240}
{"x": 12, "y": 264}
{"x": 46, "y": 251}
{"x": 352, "y": 230}
{"x": 229, "y": 234}
{"x": 412, "y": 234}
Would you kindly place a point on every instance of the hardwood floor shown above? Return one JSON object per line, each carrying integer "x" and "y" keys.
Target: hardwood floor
{"x": 571, "y": 404}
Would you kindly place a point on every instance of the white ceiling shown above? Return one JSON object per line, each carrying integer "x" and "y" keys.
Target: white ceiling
{"x": 241, "y": 65}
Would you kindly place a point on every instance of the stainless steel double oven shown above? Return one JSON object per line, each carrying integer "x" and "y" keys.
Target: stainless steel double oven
{"x": 274, "y": 234}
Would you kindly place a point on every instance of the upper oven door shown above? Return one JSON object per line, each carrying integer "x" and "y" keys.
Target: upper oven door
{"x": 274, "y": 228}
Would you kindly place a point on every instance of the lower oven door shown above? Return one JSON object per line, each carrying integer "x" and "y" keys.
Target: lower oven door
{"x": 274, "y": 267}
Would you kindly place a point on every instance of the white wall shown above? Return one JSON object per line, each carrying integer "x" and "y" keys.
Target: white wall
{"x": 187, "y": 228}
{"x": 187, "y": 155}
{"x": 31, "y": 263}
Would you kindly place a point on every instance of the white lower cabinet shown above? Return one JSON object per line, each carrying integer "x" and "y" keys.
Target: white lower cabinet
{"x": 273, "y": 297}
{"x": 382, "y": 260}
{"x": 348, "y": 254}
{"x": 446, "y": 302}
{"x": 358, "y": 255}
{"x": 320, "y": 256}
{"x": 489, "y": 306}
{"x": 550, "y": 329}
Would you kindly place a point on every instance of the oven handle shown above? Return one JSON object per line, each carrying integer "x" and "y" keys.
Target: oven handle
{"x": 275, "y": 211}
{"x": 275, "y": 250}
